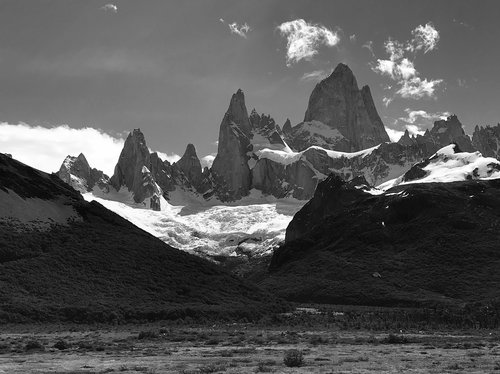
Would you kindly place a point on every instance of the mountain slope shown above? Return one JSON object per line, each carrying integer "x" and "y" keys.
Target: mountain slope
{"x": 96, "y": 266}
{"x": 414, "y": 244}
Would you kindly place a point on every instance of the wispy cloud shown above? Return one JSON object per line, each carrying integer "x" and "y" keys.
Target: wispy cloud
{"x": 46, "y": 148}
{"x": 400, "y": 65}
{"x": 235, "y": 28}
{"x": 112, "y": 8}
{"x": 369, "y": 45}
{"x": 352, "y": 38}
{"x": 304, "y": 39}
{"x": 315, "y": 75}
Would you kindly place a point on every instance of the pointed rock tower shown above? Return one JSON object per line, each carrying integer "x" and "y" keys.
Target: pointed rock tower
{"x": 77, "y": 172}
{"x": 340, "y": 116}
{"x": 133, "y": 171}
{"x": 230, "y": 170}
{"x": 190, "y": 165}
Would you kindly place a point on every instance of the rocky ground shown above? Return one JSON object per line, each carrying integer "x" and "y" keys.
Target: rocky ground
{"x": 242, "y": 348}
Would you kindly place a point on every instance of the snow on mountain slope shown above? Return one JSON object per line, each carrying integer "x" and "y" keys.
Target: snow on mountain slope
{"x": 253, "y": 225}
{"x": 447, "y": 166}
{"x": 35, "y": 213}
{"x": 285, "y": 157}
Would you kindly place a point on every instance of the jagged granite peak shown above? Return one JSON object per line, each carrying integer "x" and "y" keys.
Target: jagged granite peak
{"x": 487, "y": 140}
{"x": 237, "y": 112}
{"x": 287, "y": 126}
{"x": 340, "y": 105}
{"x": 77, "y": 172}
{"x": 190, "y": 165}
{"x": 230, "y": 170}
{"x": 132, "y": 170}
{"x": 406, "y": 139}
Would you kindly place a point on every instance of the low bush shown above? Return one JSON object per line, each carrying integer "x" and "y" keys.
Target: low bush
{"x": 293, "y": 358}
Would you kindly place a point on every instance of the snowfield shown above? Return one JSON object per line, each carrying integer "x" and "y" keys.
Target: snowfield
{"x": 253, "y": 225}
{"x": 447, "y": 166}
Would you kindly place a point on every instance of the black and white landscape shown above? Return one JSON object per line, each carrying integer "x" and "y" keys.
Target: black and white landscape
{"x": 279, "y": 187}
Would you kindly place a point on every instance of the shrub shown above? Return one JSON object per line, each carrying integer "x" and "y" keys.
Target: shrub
{"x": 61, "y": 345}
{"x": 395, "y": 339}
{"x": 33, "y": 345}
{"x": 147, "y": 335}
{"x": 293, "y": 358}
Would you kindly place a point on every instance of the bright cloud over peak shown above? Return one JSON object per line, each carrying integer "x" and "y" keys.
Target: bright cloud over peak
{"x": 46, "y": 148}
{"x": 401, "y": 68}
{"x": 304, "y": 39}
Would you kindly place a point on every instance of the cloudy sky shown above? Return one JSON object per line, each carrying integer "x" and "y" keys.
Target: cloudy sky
{"x": 170, "y": 67}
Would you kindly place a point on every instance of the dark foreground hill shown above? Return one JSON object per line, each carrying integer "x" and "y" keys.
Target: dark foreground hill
{"x": 62, "y": 258}
{"x": 425, "y": 244}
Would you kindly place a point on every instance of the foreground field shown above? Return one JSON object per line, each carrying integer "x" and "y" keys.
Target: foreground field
{"x": 241, "y": 348}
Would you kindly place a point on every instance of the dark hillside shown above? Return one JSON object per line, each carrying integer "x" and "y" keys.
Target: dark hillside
{"x": 103, "y": 268}
{"x": 416, "y": 245}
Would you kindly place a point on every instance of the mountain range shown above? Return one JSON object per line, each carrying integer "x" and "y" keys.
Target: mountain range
{"x": 341, "y": 133}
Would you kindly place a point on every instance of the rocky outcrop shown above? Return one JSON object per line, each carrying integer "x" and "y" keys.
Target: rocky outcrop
{"x": 330, "y": 197}
{"x": 77, "y": 172}
{"x": 443, "y": 133}
{"x": 339, "y": 116}
{"x": 230, "y": 170}
{"x": 487, "y": 140}
{"x": 133, "y": 170}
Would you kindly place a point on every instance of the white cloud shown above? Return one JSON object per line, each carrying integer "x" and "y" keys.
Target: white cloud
{"x": 352, "y": 38}
{"x": 221, "y": 20}
{"x": 394, "y": 135}
{"x": 416, "y": 88}
{"x": 369, "y": 45}
{"x": 385, "y": 67}
{"x": 315, "y": 75}
{"x": 387, "y": 100}
{"x": 110, "y": 8}
{"x": 207, "y": 161}
{"x": 304, "y": 39}
{"x": 241, "y": 30}
{"x": 424, "y": 37}
{"x": 401, "y": 69}
{"x": 416, "y": 116}
{"x": 46, "y": 148}
{"x": 172, "y": 157}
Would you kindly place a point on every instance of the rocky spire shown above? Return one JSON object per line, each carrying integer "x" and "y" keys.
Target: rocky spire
{"x": 230, "y": 169}
{"x": 133, "y": 170}
{"x": 338, "y": 103}
{"x": 190, "y": 165}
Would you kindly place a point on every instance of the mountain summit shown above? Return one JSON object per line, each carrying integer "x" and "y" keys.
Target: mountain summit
{"x": 340, "y": 116}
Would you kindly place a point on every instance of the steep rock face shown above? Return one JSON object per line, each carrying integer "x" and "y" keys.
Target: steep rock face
{"x": 487, "y": 140}
{"x": 77, "y": 172}
{"x": 230, "y": 170}
{"x": 337, "y": 103}
{"x": 133, "y": 170}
